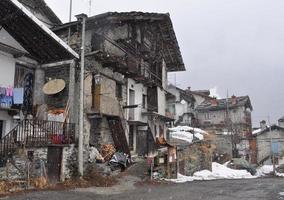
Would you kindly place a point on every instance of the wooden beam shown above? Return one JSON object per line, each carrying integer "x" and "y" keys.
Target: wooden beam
{"x": 66, "y": 62}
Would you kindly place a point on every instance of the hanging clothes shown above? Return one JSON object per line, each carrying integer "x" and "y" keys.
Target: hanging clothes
{"x": 9, "y": 92}
{"x": 18, "y": 95}
{"x": 6, "y": 101}
{"x": 2, "y": 91}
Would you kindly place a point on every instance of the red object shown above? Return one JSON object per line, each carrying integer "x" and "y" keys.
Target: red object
{"x": 57, "y": 139}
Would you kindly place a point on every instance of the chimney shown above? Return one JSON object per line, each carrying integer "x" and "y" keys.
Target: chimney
{"x": 263, "y": 125}
{"x": 281, "y": 122}
{"x": 234, "y": 100}
{"x": 214, "y": 102}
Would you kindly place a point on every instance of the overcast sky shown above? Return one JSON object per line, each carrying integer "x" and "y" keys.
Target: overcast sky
{"x": 234, "y": 45}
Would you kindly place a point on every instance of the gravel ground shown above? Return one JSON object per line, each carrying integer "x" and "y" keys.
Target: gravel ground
{"x": 246, "y": 189}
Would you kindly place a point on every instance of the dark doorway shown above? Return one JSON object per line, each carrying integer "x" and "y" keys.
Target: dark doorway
{"x": 1, "y": 128}
{"x": 131, "y": 137}
{"x": 54, "y": 157}
{"x": 141, "y": 142}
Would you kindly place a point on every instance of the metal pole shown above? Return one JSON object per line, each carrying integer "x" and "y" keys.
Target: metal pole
{"x": 272, "y": 154}
{"x": 82, "y": 18}
{"x": 90, "y": 7}
{"x": 70, "y": 11}
{"x": 70, "y": 18}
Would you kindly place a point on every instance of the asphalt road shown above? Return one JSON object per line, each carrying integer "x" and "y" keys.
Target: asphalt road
{"x": 247, "y": 189}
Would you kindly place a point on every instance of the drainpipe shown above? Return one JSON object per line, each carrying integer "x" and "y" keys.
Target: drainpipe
{"x": 82, "y": 18}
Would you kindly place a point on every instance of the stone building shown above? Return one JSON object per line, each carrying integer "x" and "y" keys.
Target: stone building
{"x": 230, "y": 118}
{"x": 181, "y": 104}
{"x": 128, "y": 56}
{"x": 30, "y": 53}
{"x": 266, "y": 136}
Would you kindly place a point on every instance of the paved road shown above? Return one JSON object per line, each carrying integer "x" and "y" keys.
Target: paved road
{"x": 249, "y": 189}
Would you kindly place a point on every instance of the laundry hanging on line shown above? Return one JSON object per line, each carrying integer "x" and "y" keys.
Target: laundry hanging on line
{"x": 18, "y": 96}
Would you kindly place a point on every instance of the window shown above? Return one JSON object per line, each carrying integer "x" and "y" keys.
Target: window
{"x": 118, "y": 91}
{"x": 1, "y": 128}
{"x": 207, "y": 115}
{"x": 144, "y": 99}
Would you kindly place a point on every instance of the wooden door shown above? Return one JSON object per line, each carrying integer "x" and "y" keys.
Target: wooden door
{"x": 54, "y": 158}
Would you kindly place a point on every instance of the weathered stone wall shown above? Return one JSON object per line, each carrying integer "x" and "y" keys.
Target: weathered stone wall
{"x": 17, "y": 167}
{"x": 100, "y": 132}
{"x": 195, "y": 157}
{"x": 223, "y": 144}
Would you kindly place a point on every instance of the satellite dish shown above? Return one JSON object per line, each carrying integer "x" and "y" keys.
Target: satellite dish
{"x": 54, "y": 86}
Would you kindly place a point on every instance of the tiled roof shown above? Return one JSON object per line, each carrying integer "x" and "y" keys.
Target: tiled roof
{"x": 267, "y": 129}
{"x": 223, "y": 103}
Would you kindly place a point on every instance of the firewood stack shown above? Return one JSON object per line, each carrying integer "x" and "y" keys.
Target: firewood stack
{"x": 107, "y": 151}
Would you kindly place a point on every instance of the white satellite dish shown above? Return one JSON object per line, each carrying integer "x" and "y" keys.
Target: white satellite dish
{"x": 54, "y": 86}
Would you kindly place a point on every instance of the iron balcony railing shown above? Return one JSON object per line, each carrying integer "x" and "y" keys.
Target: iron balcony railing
{"x": 36, "y": 133}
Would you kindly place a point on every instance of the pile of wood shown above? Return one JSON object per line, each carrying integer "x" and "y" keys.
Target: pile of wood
{"x": 107, "y": 151}
{"x": 40, "y": 182}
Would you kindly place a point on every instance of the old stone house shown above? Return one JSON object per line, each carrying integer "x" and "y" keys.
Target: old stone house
{"x": 266, "y": 136}
{"x": 181, "y": 104}
{"x": 230, "y": 121}
{"x": 30, "y": 55}
{"x": 128, "y": 56}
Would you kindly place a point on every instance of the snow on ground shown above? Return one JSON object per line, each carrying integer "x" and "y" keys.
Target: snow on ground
{"x": 222, "y": 172}
{"x": 281, "y": 193}
{"x": 264, "y": 170}
{"x": 218, "y": 172}
{"x": 267, "y": 170}
{"x": 186, "y": 133}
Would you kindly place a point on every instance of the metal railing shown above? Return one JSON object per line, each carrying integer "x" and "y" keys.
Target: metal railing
{"x": 36, "y": 133}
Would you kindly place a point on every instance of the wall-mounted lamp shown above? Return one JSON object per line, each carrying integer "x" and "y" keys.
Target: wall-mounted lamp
{"x": 98, "y": 78}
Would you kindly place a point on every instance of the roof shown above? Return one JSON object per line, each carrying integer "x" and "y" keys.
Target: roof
{"x": 39, "y": 6}
{"x": 281, "y": 119}
{"x": 187, "y": 94}
{"x": 201, "y": 92}
{"x": 223, "y": 103}
{"x": 171, "y": 50}
{"x": 41, "y": 43}
{"x": 267, "y": 129}
{"x": 183, "y": 94}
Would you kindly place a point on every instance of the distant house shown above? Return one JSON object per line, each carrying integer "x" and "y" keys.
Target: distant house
{"x": 181, "y": 104}
{"x": 266, "y": 136}
{"x": 231, "y": 117}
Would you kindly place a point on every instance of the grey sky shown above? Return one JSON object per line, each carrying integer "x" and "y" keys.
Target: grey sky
{"x": 228, "y": 44}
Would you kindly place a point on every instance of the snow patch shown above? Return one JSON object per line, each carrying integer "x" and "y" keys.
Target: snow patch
{"x": 218, "y": 172}
{"x": 187, "y": 133}
{"x": 281, "y": 193}
{"x": 267, "y": 170}
{"x": 256, "y": 131}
